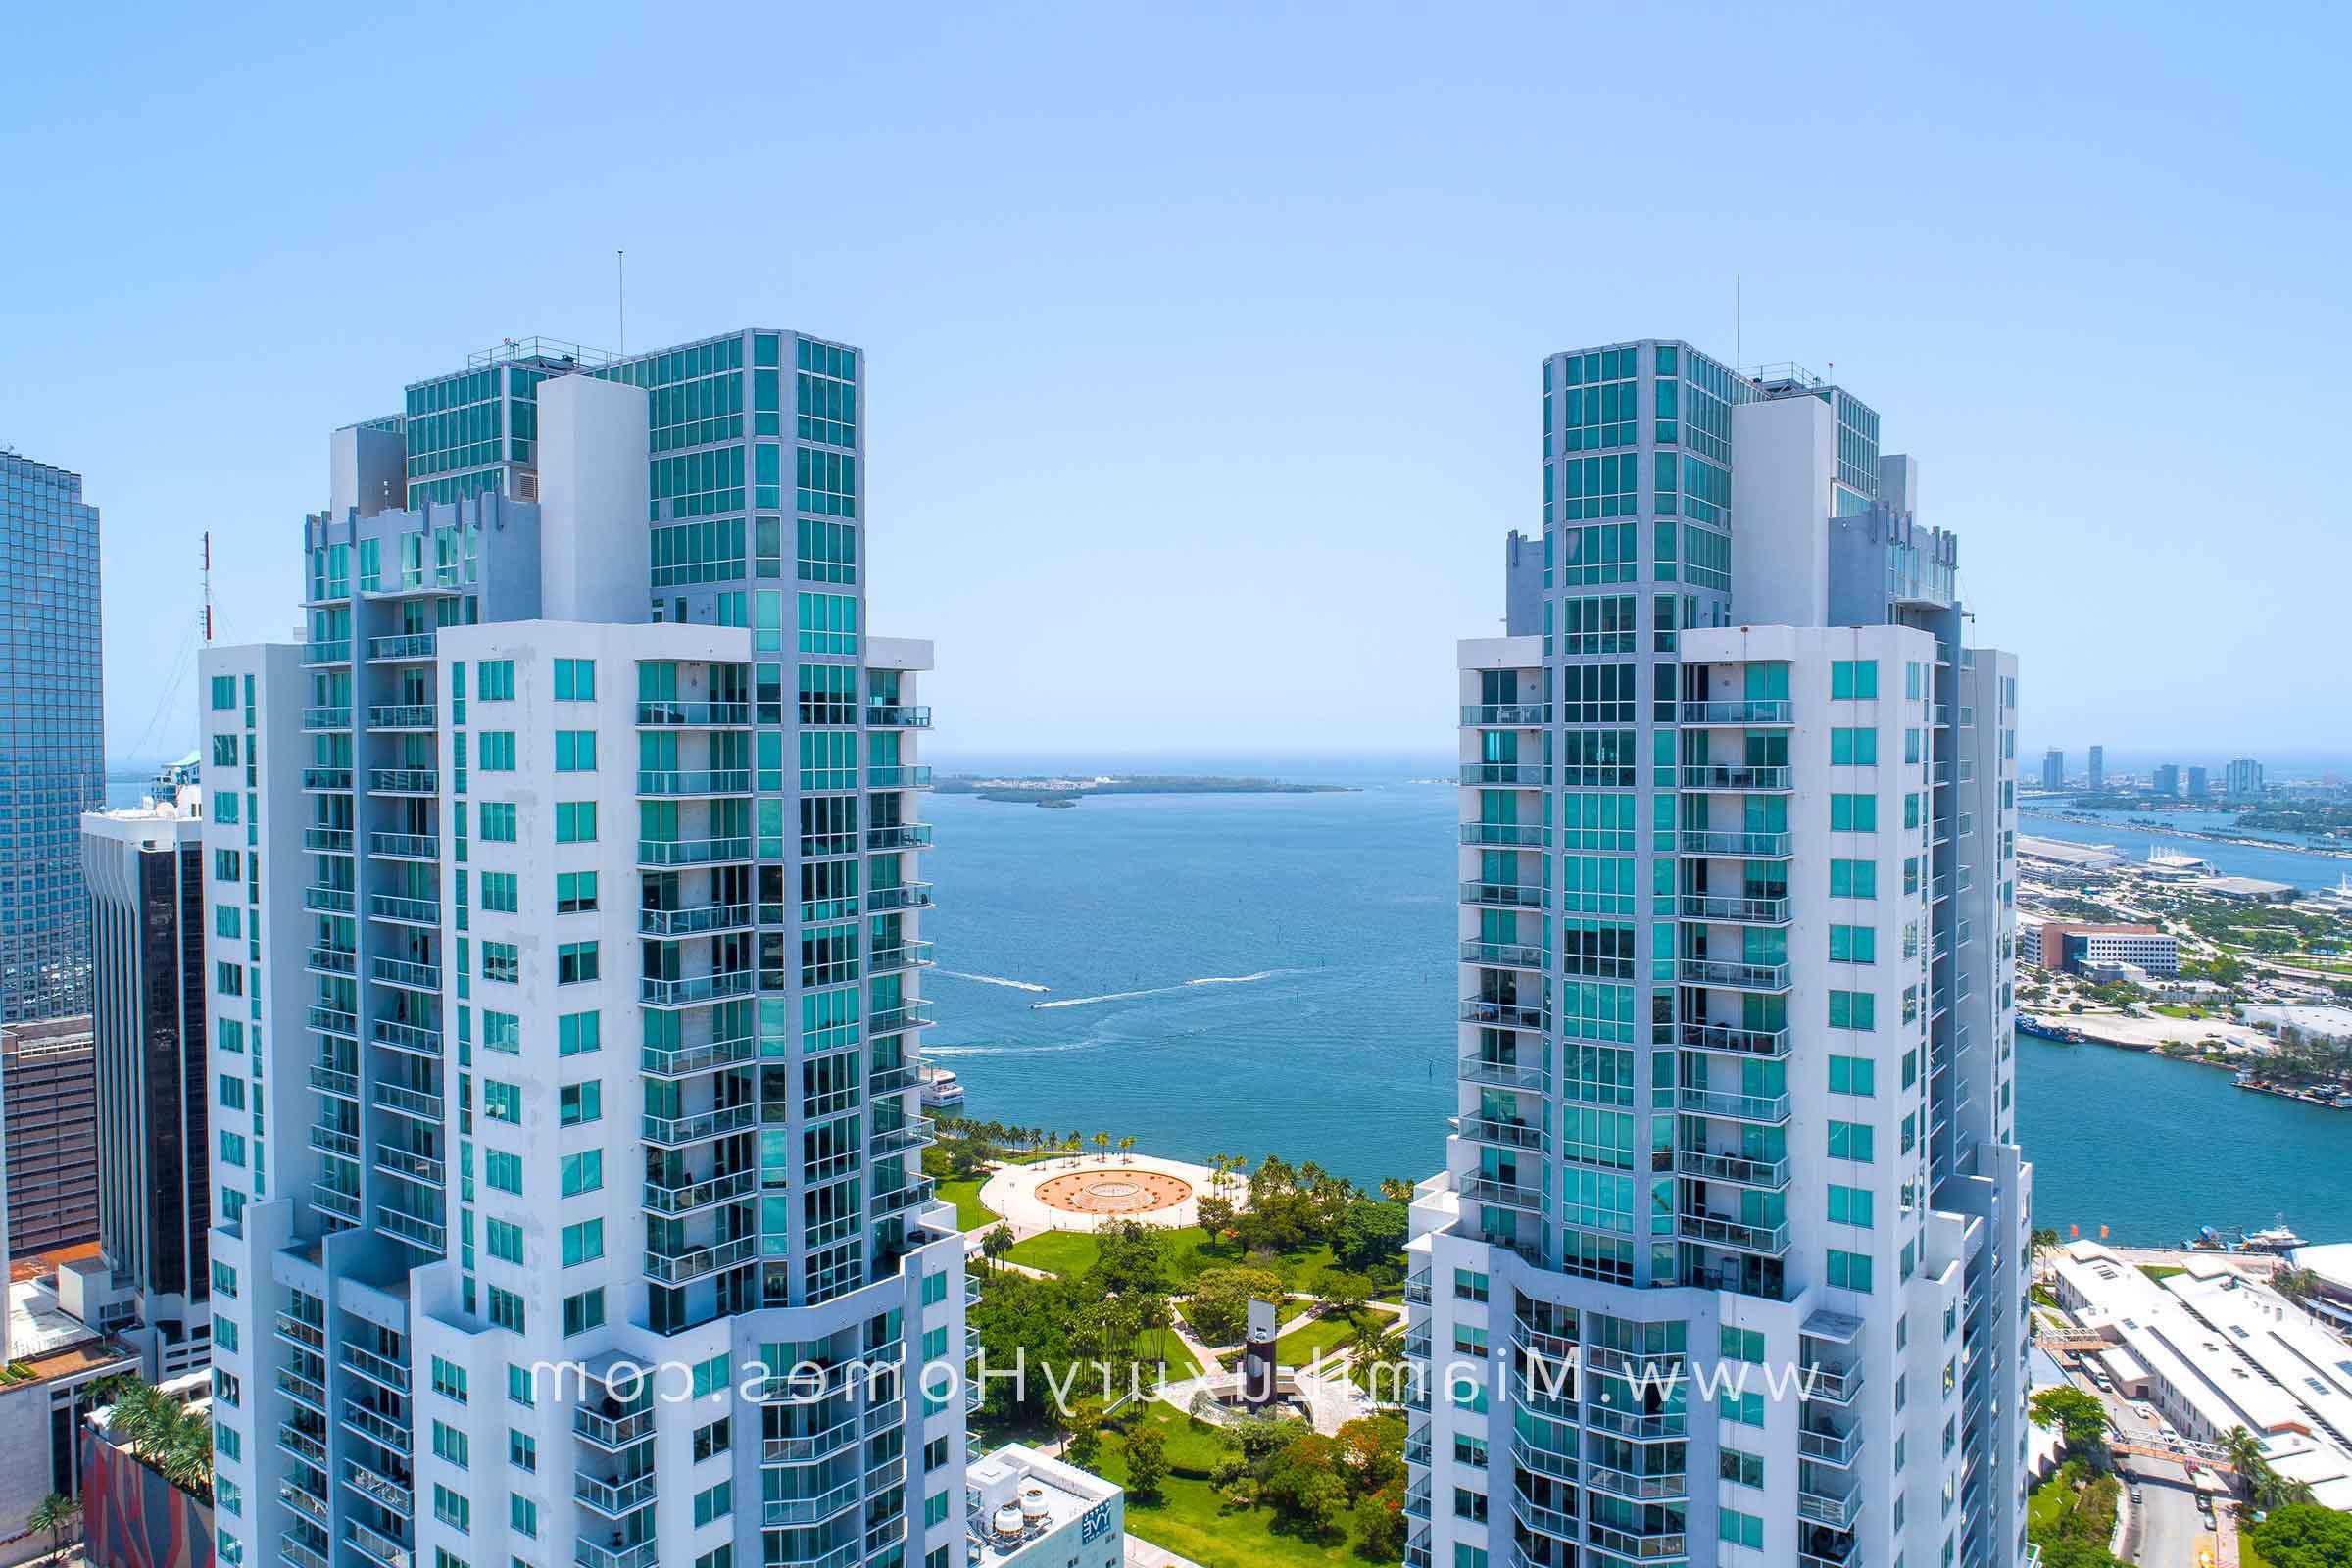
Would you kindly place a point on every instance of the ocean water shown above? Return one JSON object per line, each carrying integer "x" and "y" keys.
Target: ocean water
{"x": 1255, "y": 974}
{"x": 2297, "y": 868}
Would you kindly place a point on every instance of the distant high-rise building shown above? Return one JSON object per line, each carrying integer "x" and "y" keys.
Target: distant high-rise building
{"x": 2053, "y": 769}
{"x": 2243, "y": 780}
{"x": 569, "y": 1010}
{"x": 2166, "y": 780}
{"x": 2196, "y": 783}
{"x": 146, "y": 874}
{"x": 52, "y": 739}
{"x": 1737, "y": 1088}
{"x": 49, "y": 1099}
{"x": 2098, "y": 769}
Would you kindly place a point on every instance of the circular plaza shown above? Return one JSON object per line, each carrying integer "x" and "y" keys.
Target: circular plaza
{"x": 1085, "y": 1192}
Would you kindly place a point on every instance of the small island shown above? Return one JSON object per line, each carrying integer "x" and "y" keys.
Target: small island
{"x": 1064, "y": 793}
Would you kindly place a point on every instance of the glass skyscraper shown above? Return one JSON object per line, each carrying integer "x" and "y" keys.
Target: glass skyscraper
{"x": 52, "y": 736}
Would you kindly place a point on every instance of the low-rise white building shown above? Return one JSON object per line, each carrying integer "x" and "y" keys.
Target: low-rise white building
{"x": 1023, "y": 1508}
{"x": 2213, "y": 1349}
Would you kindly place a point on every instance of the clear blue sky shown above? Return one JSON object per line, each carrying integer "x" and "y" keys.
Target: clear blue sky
{"x": 1204, "y": 345}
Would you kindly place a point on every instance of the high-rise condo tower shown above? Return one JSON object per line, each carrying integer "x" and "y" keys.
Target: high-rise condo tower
{"x": 1736, "y": 1098}
{"x": 563, "y": 994}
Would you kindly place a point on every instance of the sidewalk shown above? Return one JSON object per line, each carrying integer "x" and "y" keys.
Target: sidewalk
{"x": 1141, "y": 1554}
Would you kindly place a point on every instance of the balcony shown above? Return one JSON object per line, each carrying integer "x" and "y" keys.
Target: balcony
{"x": 660, "y": 852}
{"x": 404, "y": 780}
{"x": 304, "y": 1391}
{"x": 326, "y": 778}
{"x": 674, "y": 785}
{"x": 1753, "y": 711}
{"x": 327, "y": 840}
{"x": 1772, "y": 1109}
{"x": 898, "y": 896}
{"x": 1770, "y": 1044}
{"x": 402, "y": 910}
{"x": 809, "y": 1510}
{"x": 1507, "y": 776}
{"x": 375, "y": 1546}
{"x": 1503, "y": 1015}
{"x": 334, "y": 1139}
{"x": 1745, "y": 781}
{"x": 334, "y": 651}
{"x": 898, "y": 836}
{"x": 1497, "y": 1194}
{"x": 1506, "y": 835}
{"x": 331, "y": 900}
{"x": 701, "y": 919}
{"x": 1504, "y": 1133}
{"x": 614, "y": 1499}
{"x": 694, "y": 715}
{"x": 694, "y": 991}
{"x": 334, "y": 1021}
{"x": 588, "y": 1554}
{"x": 897, "y": 716}
{"x": 1824, "y": 1444}
{"x": 301, "y": 1446}
{"x": 1734, "y": 911}
{"x": 1725, "y": 975}
{"x": 332, "y": 960}
{"x": 902, "y": 957}
{"x": 1770, "y": 1175}
{"x": 413, "y": 1039}
{"x": 401, "y": 716}
{"x": 408, "y": 1227}
{"x": 406, "y": 974}
{"x": 888, "y": 1140}
{"x": 1739, "y": 846}
{"x": 1506, "y": 956}
{"x": 1662, "y": 1547}
{"x": 1706, "y": 1228}
{"x": 678, "y": 1132}
{"x": 376, "y": 1368}
{"x": 404, "y": 846}
{"x": 676, "y": 1268}
{"x": 681, "y": 1061}
{"x": 1535, "y": 1517}
{"x": 376, "y": 1428}
{"x": 335, "y": 1080}
{"x": 336, "y": 716}
{"x": 1502, "y": 1074}
{"x": 408, "y": 1166}
{"x": 1506, "y": 896}
{"x": 814, "y": 1445}
{"x": 381, "y": 1489}
{"x": 414, "y": 1104}
{"x": 898, "y": 778}
{"x": 1819, "y": 1503}
{"x": 1831, "y": 1385}
{"x": 685, "y": 1199}
{"x": 893, "y": 1078}
{"x": 613, "y": 1433}
{"x": 1666, "y": 1486}
{"x": 1507, "y": 715}
{"x": 899, "y": 1199}
{"x": 401, "y": 647}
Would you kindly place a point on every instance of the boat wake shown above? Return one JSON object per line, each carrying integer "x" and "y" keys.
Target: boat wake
{"x": 993, "y": 980}
{"x": 1162, "y": 991}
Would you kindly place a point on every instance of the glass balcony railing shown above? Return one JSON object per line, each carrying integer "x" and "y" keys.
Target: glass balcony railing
{"x": 898, "y": 778}
{"x": 336, "y": 717}
{"x": 326, "y": 778}
{"x": 691, "y": 851}
{"x": 705, "y": 781}
{"x": 401, "y": 716}
{"x": 1742, "y": 846}
{"x": 675, "y": 1132}
{"x": 897, "y": 716}
{"x": 1726, "y": 776}
{"x": 1767, "y": 1043}
{"x": 1772, "y": 1109}
{"x": 404, "y": 780}
{"x": 410, "y": 645}
{"x": 898, "y": 896}
{"x": 1506, "y": 896}
{"x": 1499, "y": 1193}
{"x": 695, "y": 989}
{"x": 1506, "y": 835}
{"x": 1500, "y": 1134}
{"x": 403, "y": 910}
{"x": 1771, "y": 1240}
{"x": 1752, "y": 710}
{"x": 1769, "y": 1175}
{"x": 901, "y": 957}
{"x": 686, "y": 1198}
{"x": 1507, "y": 715}
{"x": 694, "y": 715}
{"x": 1733, "y": 909}
{"x": 898, "y": 836}
{"x": 404, "y": 846}
{"x": 1503, "y": 1074}
{"x": 702, "y": 919}
{"x": 1729, "y": 976}
{"x": 406, "y": 974}
{"x": 1504, "y": 1015}
{"x": 333, "y": 650}
{"x": 895, "y": 1020}
{"x": 1506, "y": 775}
{"x": 1506, "y": 955}
{"x": 693, "y": 1263}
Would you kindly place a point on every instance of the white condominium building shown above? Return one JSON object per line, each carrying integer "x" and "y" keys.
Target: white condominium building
{"x": 1727, "y": 1264}
{"x": 565, "y": 945}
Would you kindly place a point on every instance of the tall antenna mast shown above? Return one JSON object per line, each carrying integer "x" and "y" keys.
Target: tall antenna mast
{"x": 208, "y": 585}
{"x": 620, "y": 269}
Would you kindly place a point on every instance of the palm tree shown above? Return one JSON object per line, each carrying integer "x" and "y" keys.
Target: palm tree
{"x": 54, "y": 1513}
{"x": 1103, "y": 1146}
{"x": 997, "y": 1243}
{"x": 1127, "y": 1149}
{"x": 1396, "y": 1189}
{"x": 2244, "y": 1452}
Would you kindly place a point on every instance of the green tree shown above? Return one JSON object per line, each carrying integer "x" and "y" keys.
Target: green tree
{"x": 1084, "y": 1447}
{"x": 1220, "y": 1306}
{"x": 1344, "y": 1295}
{"x": 1302, "y": 1481}
{"x": 1380, "y": 1524}
{"x": 56, "y": 1515}
{"x": 2302, "y": 1534}
{"x": 997, "y": 1243}
{"x": 1146, "y": 1460}
{"x": 2079, "y": 1419}
{"x": 1371, "y": 1237}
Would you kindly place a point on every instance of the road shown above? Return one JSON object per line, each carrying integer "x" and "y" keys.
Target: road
{"x": 2164, "y": 1529}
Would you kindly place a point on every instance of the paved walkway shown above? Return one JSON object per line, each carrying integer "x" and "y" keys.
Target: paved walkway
{"x": 1012, "y": 1192}
{"x": 1141, "y": 1554}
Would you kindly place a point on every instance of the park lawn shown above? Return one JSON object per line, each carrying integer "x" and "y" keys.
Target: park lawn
{"x": 2248, "y": 1556}
{"x": 1067, "y": 1252}
{"x": 2047, "y": 1505}
{"x": 1190, "y": 1519}
{"x": 1188, "y": 1252}
{"x": 2176, "y": 1009}
{"x": 964, "y": 1194}
{"x": 1316, "y": 1337}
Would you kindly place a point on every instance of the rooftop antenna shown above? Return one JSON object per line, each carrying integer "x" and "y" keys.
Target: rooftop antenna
{"x": 208, "y": 585}
{"x": 620, "y": 268}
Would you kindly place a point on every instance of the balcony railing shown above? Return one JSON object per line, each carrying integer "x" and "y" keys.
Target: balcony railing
{"x": 404, "y": 780}
{"x": 898, "y": 896}
{"x": 413, "y": 1167}
{"x": 694, "y": 715}
{"x": 404, "y": 846}
{"x": 898, "y": 778}
{"x": 412, "y": 1102}
{"x": 675, "y": 1132}
{"x": 412, "y": 645}
{"x": 694, "y": 990}
{"x": 706, "y": 781}
{"x": 903, "y": 956}
{"x": 1769, "y": 1042}
{"x": 676, "y": 1268}
{"x": 1746, "y": 846}
{"x": 414, "y": 1039}
{"x": 1506, "y": 835}
{"x": 684, "y": 1200}
{"x": 406, "y": 974}
{"x": 1506, "y": 955}
{"x": 326, "y": 778}
{"x": 1503, "y": 1015}
{"x": 613, "y": 1433}
{"x": 404, "y": 909}
{"x": 1824, "y": 1446}
{"x": 333, "y": 1021}
{"x": 333, "y": 961}
{"x": 679, "y": 1062}
{"x": 589, "y": 1555}
{"x": 327, "y": 840}
{"x": 1722, "y": 776}
{"x": 1729, "y": 976}
{"x": 691, "y": 851}
{"x": 1506, "y": 895}
{"x": 1836, "y": 1384}
{"x": 1504, "y": 1133}
{"x": 1770, "y": 1175}
{"x": 700, "y": 920}
{"x": 1772, "y": 1109}
{"x": 1734, "y": 911}
{"x": 1504, "y": 1195}
{"x": 897, "y": 716}
{"x": 1477, "y": 1069}
{"x": 401, "y": 716}
{"x": 1768, "y": 1240}
{"x": 336, "y": 716}
{"x": 1514, "y": 775}
{"x": 1507, "y": 715}
{"x": 333, "y": 650}
{"x": 898, "y": 836}
{"x": 1818, "y": 1504}
{"x": 614, "y": 1499}
{"x": 1752, "y": 710}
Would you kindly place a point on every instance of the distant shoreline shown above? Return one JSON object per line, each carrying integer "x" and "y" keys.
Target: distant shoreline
{"x": 1064, "y": 792}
